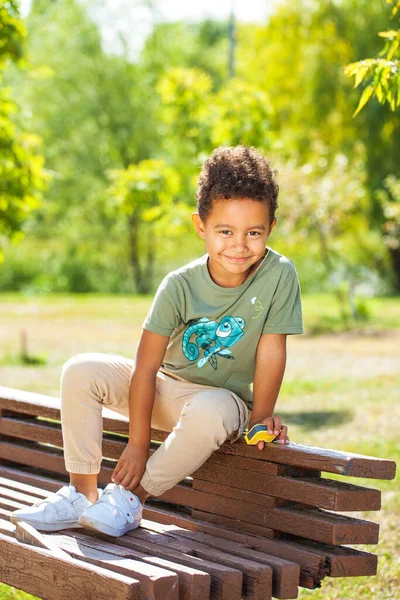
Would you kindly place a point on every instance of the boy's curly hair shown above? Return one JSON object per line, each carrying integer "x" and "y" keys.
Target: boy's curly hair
{"x": 236, "y": 172}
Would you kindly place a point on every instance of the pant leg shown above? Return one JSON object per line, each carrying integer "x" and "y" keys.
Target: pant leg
{"x": 200, "y": 418}
{"x": 205, "y": 418}
{"x": 88, "y": 382}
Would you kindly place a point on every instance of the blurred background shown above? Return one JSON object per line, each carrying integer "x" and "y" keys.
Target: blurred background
{"x": 108, "y": 109}
{"x": 114, "y": 104}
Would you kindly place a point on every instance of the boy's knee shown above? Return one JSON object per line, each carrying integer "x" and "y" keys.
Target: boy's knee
{"x": 214, "y": 413}
{"x": 77, "y": 369}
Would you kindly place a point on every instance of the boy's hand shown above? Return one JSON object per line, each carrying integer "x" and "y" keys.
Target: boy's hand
{"x": 130, "y": 467}
{"x": 274, "y": 424}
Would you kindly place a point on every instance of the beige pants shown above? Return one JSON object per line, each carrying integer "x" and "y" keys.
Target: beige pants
{"x": 200, "y": 418}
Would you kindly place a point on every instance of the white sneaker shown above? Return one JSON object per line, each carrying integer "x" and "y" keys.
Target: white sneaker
{"x": 115, "y": 513}
{"x": 59, "y": 511}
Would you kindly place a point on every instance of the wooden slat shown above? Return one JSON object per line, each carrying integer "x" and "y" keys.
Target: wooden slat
{"x": 320, "y": 459}
{"x": 261, "y": 467}
{"x": 315, "y": 559}
{"x": 50, "y": 433}
{"x": 309, "y": 555}
{"x": 237, "y": 494}
{"x": 285, "y": 573}
{"x": 322, "y": 493}
{"x": 156, "y": 582}
{"x": 193, "y": 583}
{"x": 226, "y": 583}
{"x": 21, "y": 566}
{"x": 314, "y": 524}
{"x": 21, "y": 475}
{"x": 343, "y": 560}
{"x": 257, "y": 578}
{"x": 48, "y": 457}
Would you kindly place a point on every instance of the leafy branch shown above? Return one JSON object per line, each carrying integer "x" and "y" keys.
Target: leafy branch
{"x": 382, "y": 74}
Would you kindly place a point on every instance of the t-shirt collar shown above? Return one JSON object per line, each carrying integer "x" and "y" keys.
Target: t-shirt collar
{"x": 238, "y": 288}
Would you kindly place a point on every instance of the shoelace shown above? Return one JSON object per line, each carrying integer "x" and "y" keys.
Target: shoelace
{"x": 116, "y": 501}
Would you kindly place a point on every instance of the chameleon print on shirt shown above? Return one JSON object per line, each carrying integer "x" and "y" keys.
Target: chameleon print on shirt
{"x": 213, "y": 338}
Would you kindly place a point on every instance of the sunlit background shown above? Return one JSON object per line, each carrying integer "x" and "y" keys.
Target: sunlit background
{"x": 107, "y": 111}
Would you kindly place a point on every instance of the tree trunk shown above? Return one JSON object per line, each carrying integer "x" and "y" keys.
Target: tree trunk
{"x": 134, "y": 252}
{"x": 395, "y": 257}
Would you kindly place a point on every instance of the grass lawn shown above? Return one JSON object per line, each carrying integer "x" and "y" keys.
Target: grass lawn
{"x": 341, "y": 390}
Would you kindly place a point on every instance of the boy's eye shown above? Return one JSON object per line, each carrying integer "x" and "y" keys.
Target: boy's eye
{"x": 254, "y": 233}
{"x": 225, "y": 232}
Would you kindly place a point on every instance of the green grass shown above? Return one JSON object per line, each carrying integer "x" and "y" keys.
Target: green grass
{"x": 341, "y": 390}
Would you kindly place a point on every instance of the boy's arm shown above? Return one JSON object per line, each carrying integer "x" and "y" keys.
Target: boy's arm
{"x": 269, "y": 371}
{"x": 142, "y": 388}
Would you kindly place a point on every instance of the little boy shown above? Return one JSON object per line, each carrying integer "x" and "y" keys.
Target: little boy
{"x": 217, "y": 328}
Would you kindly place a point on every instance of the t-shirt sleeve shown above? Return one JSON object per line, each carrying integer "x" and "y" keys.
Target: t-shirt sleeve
{"x": 163, "y": 316}
{"x": 285, "y": 312}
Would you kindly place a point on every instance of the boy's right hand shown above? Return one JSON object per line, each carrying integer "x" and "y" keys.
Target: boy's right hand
{"x": 130, "y": 467}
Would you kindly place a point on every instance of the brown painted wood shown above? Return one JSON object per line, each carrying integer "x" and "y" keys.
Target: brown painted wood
{"x": 156, "y": 582}
{"x": 314, "y": 524}
{"x": 22, "y": 487}
{"x": 260, "y": 467}
{"x": 220, "y": 504}
{"x": 322, "y": 493}
{"x": 257, "y": 577}
{"x": 233, "y": 523}
{"x": 22, "y": 566}
{"x": 17, "y": 495}
{"x": 50, "y": 433}
{"x": 332, "y": 461}
{"x": 343, "y": 560}
{"x": 6, "y": 528}
{"x": 12, "y": 476}
{"x": 286, "y": 574}
{"x": 226, "y": 582}
{"x": 322, "y": 459}
{"x": 49, "y": 458}
{"x": 237, "y": 494}
{"x": 193, "y": 583}
{"x": 28, "y": 534}
{"x": 315, "y": 559}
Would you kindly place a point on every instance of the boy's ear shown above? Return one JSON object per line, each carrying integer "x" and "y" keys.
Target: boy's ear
{"x": 272, "y": 226}
{"x": 198, "y": 224}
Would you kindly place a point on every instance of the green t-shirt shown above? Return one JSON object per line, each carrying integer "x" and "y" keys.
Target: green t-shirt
{"x": 214, "y": 331}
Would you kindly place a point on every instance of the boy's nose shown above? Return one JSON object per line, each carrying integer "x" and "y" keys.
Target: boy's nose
{"x": 239, "y": 243}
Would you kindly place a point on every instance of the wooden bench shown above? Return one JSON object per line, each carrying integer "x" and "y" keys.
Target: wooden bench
{"x": 248, "y": 524}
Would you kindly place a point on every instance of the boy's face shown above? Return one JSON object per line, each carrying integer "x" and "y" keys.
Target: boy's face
{"x": 235, "y": 233}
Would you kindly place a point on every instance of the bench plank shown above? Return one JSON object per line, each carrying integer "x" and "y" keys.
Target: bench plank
{"x": 193, "y": 583}
{"x": 156, "y": 582}
{"x": 320, "y": 459}
{"x": 226, "y": 583}
{"x": 22, "y": 566}
{"x": 323, "y": 493}
{"x": 286, "y": 574}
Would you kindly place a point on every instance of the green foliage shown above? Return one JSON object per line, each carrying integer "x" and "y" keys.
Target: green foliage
{"x": 144, "y": 194}
{"x": 22, "y": 176}
{"x": 390, "y": 199}
{"x": 382, "y": 73}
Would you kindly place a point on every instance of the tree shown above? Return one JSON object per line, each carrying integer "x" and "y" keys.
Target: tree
{"x": 143, "y": 193}
{"x": 22, "y": 176}
{"x": 383, "y": 73}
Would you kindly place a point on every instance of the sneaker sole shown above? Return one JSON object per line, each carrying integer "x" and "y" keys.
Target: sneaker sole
{"x": 45, "y": 526}
{"x": 94, "y": 525}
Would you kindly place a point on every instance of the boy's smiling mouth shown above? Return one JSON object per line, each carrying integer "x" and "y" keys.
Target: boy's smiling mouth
{"x": 238, "y": 259}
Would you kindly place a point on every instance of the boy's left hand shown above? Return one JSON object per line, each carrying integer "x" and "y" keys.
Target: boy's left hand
{"x": 274, "y": 424}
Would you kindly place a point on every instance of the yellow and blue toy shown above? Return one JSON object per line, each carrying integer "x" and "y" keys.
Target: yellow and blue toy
{"x": 259, "y": 433}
